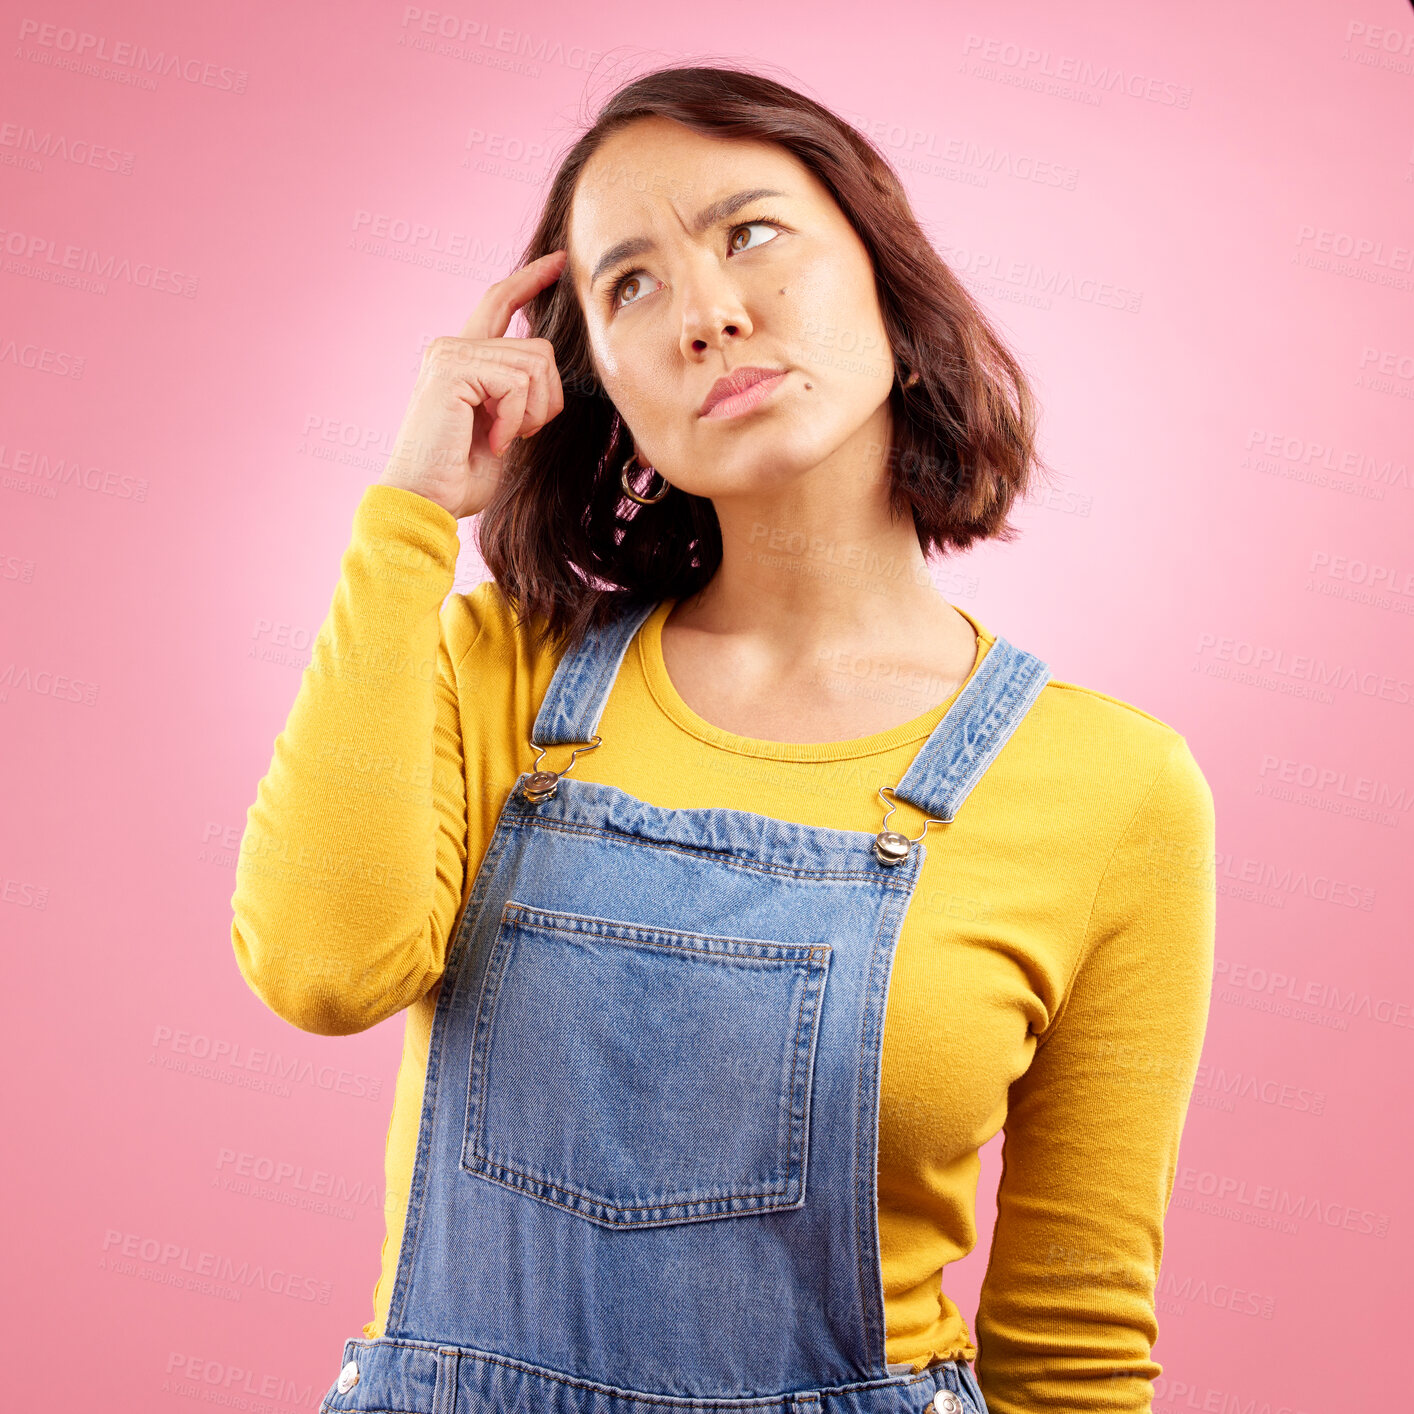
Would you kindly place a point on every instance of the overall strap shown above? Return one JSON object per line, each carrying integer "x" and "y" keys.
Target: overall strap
{"x": 583, "y": 677}
{"x": 964, "y": 743}
{"x": 973, "y": 730}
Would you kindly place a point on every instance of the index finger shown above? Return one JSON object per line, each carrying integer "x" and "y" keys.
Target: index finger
{"x": 492, "y": 317}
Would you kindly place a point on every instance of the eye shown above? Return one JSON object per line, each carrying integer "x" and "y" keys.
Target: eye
{"x": 768, "y": 225}
{"x": 631, "y": 280}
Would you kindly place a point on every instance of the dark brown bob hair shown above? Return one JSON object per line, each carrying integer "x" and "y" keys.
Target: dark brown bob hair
{"x": 560, "y": 538}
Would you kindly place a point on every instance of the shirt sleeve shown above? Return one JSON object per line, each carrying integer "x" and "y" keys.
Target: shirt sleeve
{"x": 1067, "y": 1317}
{"x": 353, "y": 859}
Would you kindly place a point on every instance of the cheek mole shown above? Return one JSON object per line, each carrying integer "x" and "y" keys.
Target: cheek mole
{"x": 808, "y": 385}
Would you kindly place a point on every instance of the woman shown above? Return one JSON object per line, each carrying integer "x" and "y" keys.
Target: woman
{"x": 703, "y": 1036}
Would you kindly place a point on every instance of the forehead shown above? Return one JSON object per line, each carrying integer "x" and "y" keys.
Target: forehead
{"x": 656, "y": 175}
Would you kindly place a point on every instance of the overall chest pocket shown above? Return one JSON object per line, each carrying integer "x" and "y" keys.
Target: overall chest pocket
{"x": 641, "y": 1076}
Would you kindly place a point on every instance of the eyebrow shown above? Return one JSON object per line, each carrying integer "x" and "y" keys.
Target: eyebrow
{"x": 708, "y": 217}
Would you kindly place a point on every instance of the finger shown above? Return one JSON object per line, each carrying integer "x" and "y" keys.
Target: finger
{"x": 537, "y": 396}
{"x": 527, "y": 355}
{"x": 557, "y": 390}
{"x": 509, "y": 389}
{"x": 549, "y": 400}
{"x": 492, "y": 316}
{"x": 546, "y": 365}
{"x": 537, "y": 406}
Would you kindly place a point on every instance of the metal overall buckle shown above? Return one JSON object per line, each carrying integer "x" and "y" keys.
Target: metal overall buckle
{"x": 890, "y": 847}
{"x": 540, "y": 785}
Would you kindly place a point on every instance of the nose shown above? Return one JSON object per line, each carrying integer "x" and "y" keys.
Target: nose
{"x": 713, "y": 310}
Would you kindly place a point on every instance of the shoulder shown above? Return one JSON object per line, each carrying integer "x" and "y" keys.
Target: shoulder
{"x": 482, "y": 620}
{"x": 1082, "y": 742}
{"x": 467, "y": 615}
{"x": 1094, "y": 721}
{"x": 1102, "y": 712}
{"x": 1114, "y": 748}
{"x": 1134, "y": 818}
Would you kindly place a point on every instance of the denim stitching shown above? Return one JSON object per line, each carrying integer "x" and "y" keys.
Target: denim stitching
{"x": 865, "y": 1102}
{"x": 925, "y": 1376}
{"x": 482, "y": 1163}
{"x": 622, "y": 930}
{"x": 738, "y": 861}
{"x": 471, "y": 914}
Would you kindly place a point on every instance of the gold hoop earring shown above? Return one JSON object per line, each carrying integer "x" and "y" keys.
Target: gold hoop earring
{"x": 912, "y": 379}
{"x": 633, "y": 495}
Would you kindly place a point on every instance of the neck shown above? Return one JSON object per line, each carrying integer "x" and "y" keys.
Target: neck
{"x": 821, "y": 561}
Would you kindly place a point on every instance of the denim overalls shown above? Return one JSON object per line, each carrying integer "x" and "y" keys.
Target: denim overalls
{"x": 645, "y": 1178}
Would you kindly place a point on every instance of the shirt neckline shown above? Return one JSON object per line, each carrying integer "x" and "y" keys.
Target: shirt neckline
{"x": 660, "y": 685}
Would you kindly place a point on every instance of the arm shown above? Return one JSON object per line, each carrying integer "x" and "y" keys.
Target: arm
{"x": 1067, "y": 1312}
{"x": 352, "y": 864}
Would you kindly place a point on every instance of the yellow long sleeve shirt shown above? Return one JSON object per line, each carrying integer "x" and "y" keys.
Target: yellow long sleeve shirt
{"x": 1051, "y": 977}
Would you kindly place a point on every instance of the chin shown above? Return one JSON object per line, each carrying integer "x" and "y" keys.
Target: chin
{"x": 766, "y": 469}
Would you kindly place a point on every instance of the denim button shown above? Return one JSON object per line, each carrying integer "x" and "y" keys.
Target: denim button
{"x": 946, "y": 1402}
{"x": 348, "y": 1377}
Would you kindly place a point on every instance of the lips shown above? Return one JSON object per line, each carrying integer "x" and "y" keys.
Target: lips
{"x": 735, "y": 382}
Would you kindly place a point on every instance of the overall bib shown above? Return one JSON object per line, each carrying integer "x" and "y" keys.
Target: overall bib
{"x": 645, "y": 1178}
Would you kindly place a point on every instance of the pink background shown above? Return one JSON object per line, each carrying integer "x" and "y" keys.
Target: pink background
{"x": 1194, "y": 226}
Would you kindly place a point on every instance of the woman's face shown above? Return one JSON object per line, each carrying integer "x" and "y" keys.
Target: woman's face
{"x": 723, "y": 276}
